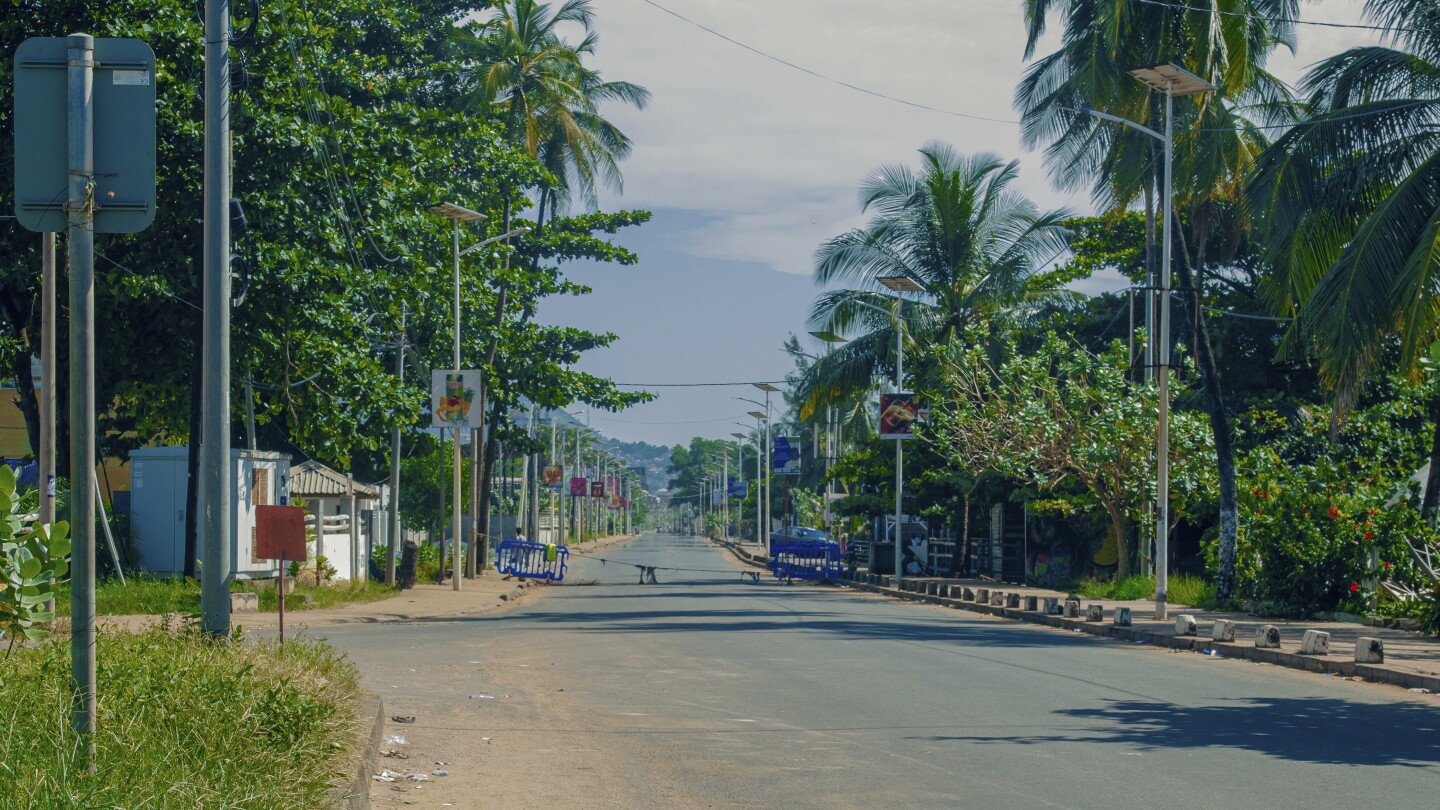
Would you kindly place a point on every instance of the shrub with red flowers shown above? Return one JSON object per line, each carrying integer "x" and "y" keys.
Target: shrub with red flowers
{"x": 1315, "y": 540}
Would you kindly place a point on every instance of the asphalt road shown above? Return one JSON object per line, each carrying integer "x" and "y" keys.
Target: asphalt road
{"x": 709, "y": 691}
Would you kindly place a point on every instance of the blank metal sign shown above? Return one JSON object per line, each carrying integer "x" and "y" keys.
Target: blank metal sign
{"x": 123, "y": 120}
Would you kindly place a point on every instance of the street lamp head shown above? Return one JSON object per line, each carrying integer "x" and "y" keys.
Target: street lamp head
{"x": 1172, "y": 78}
{"x": 740, "y": 436}
{"x": 765, "y": 386}
{"x": 517, "y": 232}
{"x": 828, "y": 337}
{"x": 759, "y": 415}
{"x": 901, "y": 283}
{"x": 456, "y": 212}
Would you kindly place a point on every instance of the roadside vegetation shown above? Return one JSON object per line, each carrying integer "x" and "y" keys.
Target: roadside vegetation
{"x": 146, "y": 596}
{"x": 183, "y": 723}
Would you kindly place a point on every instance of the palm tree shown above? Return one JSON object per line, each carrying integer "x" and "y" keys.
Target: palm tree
{"x": 549, "y": 100}
{"x": 1351, "y": 205}
{"x": 955, "y": 227}
{"x": 1226, "y": 43}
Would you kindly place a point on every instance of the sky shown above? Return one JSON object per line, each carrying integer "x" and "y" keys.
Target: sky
{"x": 748, "y": 165}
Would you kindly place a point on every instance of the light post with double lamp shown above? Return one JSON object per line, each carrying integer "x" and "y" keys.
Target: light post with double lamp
{"x": 1173, "y": 81}
{"x": 831, "y": 441}
{"x": 769, "y": 462}
{"x": 457, "y": 215}
{"x": 901, "y": 285}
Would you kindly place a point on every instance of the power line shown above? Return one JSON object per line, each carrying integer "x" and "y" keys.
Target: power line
{"x": 822, "y": 76}
{"x": 698, "y": 385}
{"x": 1263, "y": 18}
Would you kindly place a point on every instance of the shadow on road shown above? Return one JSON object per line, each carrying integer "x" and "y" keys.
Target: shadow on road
{"x": 1323, "y": 731}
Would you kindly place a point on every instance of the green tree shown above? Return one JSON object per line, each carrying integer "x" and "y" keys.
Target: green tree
{"x": 1217, "y": 140}
{"x": 1351, "y": 206}
{"x": 958, "y": 229}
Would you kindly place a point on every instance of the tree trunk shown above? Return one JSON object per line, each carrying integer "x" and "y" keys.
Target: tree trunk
{"x": 1430, "y": 503}
{"x": 192, "y": 451}
{"x": 1219, "y": 423}
{"x": 487, "y": 481}
{"x": 1121, "y": 527}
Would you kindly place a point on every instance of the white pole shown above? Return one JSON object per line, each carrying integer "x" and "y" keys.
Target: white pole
{"x": 395, "y": 440}
{"x": 48, "y": 384}
{"x": 455, "y": 479}
{"x": 1162, "y": 460}
{"x": 759, "y": 464}
{"x": 769, "y": 468}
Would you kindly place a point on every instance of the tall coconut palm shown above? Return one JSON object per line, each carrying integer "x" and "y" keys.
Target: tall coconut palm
{"x": 1351, "y": 204}
{"x": 957, "y": 228}
{"x": 1228, "y": 44}
{"x": 538, "y": 84}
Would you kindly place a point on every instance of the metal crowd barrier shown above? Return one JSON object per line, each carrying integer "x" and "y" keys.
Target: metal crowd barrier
{"x": 531, "y": 560}
{"x": 806, "y": 559}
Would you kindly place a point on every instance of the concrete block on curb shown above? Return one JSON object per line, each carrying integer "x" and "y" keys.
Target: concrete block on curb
{"x": 1185, "y": 625}
{"x": 1094, "y": 613}
{"x": 1267, "y": 636}
{"x": 997, "y": 598}
{"x": 244, "y": 603}
{"x": 982, "y": 595}
{"x": 1315, "y": 642}
{"x": 934, "y": 589}
{"x": 1052, "y": 605}
{"x": 1222, "y": 630}
{"x": 1072, "y": 608}
{"x": 967, "y": 594}
{"x": 1369, "y": 650}
{"x": 1012, "y": 600}
{"x": 1032, "y": 603}
{"x": 1122, "y": 617}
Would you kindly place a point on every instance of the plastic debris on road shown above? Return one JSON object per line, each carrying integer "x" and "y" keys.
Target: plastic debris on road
{"x": 482, "y": 697}
{"x": 388, "y": 775}
{"x": 395, "y": 739}
{"x": 402, "y": 718}
{"x": 442, "y": 773}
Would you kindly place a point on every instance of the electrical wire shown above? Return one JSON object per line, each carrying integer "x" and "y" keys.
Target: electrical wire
{"x": 822, "y": 76}
{"x": 698, "y": 385}
{"x": 1261, "y": 17}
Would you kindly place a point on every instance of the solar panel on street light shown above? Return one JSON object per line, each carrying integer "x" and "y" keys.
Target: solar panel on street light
{"x": 758, "y": 414}
{"x": 765, "y": 386}
{"x": 901, "y": 283}
{"x": 1177, "y": 80}
{"x": 456, "y": 212}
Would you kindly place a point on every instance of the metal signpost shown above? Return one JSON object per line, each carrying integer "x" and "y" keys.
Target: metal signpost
{"x": 66, "y": 90}
{"x": 280, "y": 535}
{"x": 452, "y": 404}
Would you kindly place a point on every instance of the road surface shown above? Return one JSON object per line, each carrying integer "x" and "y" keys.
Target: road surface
{"x": 706, "y": 690}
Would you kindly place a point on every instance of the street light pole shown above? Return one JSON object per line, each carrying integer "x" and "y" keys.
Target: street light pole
{"x": 1174, "y": 81}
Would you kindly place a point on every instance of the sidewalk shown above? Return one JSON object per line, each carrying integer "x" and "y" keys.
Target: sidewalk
{"x": 489, "y": 592}
{"x": 1411, "y": 659}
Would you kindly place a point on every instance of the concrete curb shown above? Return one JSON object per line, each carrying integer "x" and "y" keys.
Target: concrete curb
{"x": 355, "y": 794}
{"x": 1378, "y": 673}
{"x": 742, "y": 555}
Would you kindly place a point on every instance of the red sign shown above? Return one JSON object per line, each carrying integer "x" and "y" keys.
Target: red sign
{"x": 279, "y": 533}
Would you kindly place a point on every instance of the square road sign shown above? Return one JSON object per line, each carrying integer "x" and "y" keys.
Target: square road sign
{"x": 122, "y": 108}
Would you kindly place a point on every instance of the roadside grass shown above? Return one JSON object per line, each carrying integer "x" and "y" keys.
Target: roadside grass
{"x": 183, "y": 722}
{"x": 157, "y": 597}
{"x": 1184, "y": 590}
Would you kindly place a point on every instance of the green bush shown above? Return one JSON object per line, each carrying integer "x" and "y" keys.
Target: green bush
{"x": 1193, "y": 592}
{"x": 182, "y": 723}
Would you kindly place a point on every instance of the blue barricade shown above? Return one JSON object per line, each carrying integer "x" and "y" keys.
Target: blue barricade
{"x": 805, "y": 559}
{"x": 531, "y": 560}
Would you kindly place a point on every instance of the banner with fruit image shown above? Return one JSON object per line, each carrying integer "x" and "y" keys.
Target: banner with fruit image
{"x": 452, "y": 398}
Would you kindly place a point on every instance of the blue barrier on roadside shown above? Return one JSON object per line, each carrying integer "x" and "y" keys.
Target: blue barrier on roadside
{"x": 531, "y": 560}
{"x": 805, "y": 559}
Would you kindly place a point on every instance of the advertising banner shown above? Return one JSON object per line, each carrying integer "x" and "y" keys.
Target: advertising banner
{"x": 579, "y": 487}
{"x": 785, "y": 456}
{"x": 738, "y": 489}
{"x": 552, "y": 475}
{"x": 898, "y": 414}
{"x": 452, "y": 398}
{"x": 597, "y": 489}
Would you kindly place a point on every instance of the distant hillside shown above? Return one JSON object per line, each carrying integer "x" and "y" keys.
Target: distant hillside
{"x": 654, "y": 458}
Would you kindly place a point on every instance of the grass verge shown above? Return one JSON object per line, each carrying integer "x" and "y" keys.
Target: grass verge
{"x": 157, "y": 597}
{"x": 182, "y": 723}
{"x": 1183, "y": 590}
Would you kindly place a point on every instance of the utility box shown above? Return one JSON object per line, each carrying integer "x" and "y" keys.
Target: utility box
{"x": 158, "y": 479}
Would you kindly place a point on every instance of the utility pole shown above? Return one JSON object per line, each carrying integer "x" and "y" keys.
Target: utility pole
{"x": 215, "y": 506}
{"x": 48, "y": 383}
{"x": 395, "y": 461}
